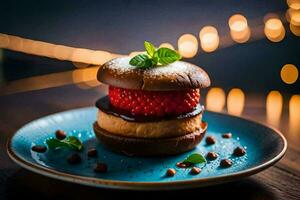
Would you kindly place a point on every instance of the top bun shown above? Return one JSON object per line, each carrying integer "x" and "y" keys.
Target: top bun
{"x": 175, "y": 76}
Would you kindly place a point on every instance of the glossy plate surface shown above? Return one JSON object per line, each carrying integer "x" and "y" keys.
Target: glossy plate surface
{"x": 264, "y": 146}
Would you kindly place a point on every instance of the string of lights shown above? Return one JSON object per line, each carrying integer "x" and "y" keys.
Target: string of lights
{"x": 87, "y": 61}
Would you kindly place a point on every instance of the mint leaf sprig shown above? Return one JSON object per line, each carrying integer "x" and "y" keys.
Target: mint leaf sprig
{"x": 154, "y": 57}
{"x": 71, "y": 142}
{"x": 195, "y": 158}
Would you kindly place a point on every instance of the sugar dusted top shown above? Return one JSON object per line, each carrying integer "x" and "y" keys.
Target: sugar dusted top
{"x": 175, "y": 76}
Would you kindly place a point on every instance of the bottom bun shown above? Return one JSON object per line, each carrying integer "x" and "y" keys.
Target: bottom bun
{"x": 150, "y": 147}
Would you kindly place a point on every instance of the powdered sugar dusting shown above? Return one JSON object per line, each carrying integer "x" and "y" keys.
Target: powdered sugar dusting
{"x": 121, "y": 64}
{"x": 177, "y": 67}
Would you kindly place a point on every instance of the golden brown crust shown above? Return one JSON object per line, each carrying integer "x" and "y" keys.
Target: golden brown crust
{"x": 150, "y": 147}
{"x": 158, "y": 129}
{"x": 175, "y": 76}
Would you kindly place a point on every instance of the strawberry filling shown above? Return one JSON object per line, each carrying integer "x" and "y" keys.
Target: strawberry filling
{"x": 153, "y": 103}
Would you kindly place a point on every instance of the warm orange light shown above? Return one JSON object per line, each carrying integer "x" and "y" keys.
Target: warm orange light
{"x": 239, "y": 30}
{"x": 82, "y": 55}
{"x": 294, "y": 116}
{"x": 238, "y": 23}
{"x": 90, "y": 76}
{"x": 100, "y": 57}
{"x": 15, "y": 43}
{"x": 43, "y": 48}
{"x": 215, "y": 99}
{"x": 209, "y": 38}
{"x": 166, "y": 45}
{"x": 235, "y": 101}
{"x": 187, "y": 45}
{"x": 274, "y": 30}
{"x": 295, "y": 29}
{"x": 289, "y": 73}
{"x": 294, "y": 4}
{"x": 4, "y": 41}
{"x": 274, "y": 105}
{"x": 85, "y": 78}
{"x": 295, "y": 17}
{"x": 62, "y": 52}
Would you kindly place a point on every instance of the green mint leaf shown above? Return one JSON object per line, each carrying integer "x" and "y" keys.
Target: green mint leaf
{"x": 69, "y": 142}
{"x": 166, "y": 56}
{"x": 74, "y": 143}
{"x": 195, "y": 158}
{"x": 162, "y": 56}
{"x": 54, "y": 143}
{"x": 142, "y": 61}
{"x": 150, "y": 48}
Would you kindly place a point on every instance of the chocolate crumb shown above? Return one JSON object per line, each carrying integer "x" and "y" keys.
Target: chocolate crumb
{"x": 225, "y": 163}
{"x": 239, "y": 151}
{"x": 39, "y": 148}
{"x": 74, "y": 159}
{"x": 183, "y": 165}
{"x": 210, "y": 140}
{"x": 59, "y": 134}
{"x": 195, "y": 170}
{"x": 211, "y": 155}
{"x": 227, "y": 135}
{"x": 170, "y": 172}
{"x": 100, "y": 168}
{"x": 92, "y": 152}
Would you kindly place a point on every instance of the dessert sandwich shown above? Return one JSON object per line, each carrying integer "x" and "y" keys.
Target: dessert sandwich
{"x": 153, "y": 104}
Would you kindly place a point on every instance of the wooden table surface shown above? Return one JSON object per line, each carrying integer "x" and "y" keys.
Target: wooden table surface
{"x": 281, "y": 181}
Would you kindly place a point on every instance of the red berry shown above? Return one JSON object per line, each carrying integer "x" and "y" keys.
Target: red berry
{"x": 153, "y": 103}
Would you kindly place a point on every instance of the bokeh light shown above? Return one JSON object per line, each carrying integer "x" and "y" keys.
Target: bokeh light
{"x": 294, "y": 4}
{"x": 235, "y": 101}
{"x": 63, "y": 52}
{"x": 292, "y": 13}
{"x": 239, "y": 29}
{"x": 82, "y": 55}
{"x": 15, "y": 43}
{"x": 167, "y": 45}
{"x": 43, "y": 48}
{"x": 100, "y": 57}
{"x": 209, "y": 38}
{"x": 294, "y": 114}
{"x": 187, "y": 45}
{"x": 295, "y": 17}
{"x": 215, "y": 99}
{"x": 4, "y": 41}
{"x": 295, "y": 29}
{"x": 274, "y": 30}
{"x": 85, "y": 78}
{"x": 289, "y": 73}
{"x": 274, "y": 104}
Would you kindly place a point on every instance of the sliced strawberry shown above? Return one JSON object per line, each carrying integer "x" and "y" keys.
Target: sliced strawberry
{"x": 154, "y": 103}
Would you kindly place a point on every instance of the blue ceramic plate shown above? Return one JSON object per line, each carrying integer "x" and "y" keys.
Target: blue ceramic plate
{"x": 264, "y": 146}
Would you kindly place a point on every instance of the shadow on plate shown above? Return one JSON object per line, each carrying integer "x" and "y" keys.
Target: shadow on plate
{"x": 25, "y": 184}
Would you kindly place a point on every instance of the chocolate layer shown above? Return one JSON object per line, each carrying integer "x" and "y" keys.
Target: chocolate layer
{"x": 150, "y": 147}
{"x": 104, "y": 105}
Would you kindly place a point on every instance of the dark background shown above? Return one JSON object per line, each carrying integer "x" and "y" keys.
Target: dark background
{"x": 121, "y": 26}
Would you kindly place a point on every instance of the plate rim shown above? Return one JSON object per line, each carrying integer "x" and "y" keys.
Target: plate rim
{"x": 133, "y": 185}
